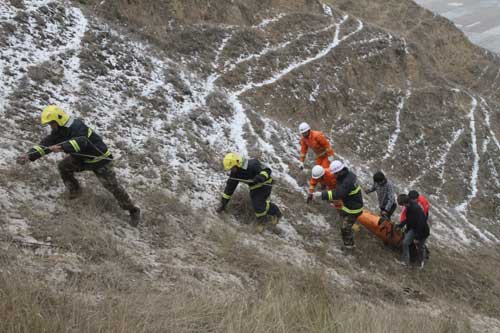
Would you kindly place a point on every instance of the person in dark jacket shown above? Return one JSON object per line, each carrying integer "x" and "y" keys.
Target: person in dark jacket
{"x": 385, "y": 194}
{"x": 349, "y": 192}
{"x": 259, "y": 180}
{"x": 87, "y": 152}
{"x": 422, "y": 201}
{"x": 416, "y": 229}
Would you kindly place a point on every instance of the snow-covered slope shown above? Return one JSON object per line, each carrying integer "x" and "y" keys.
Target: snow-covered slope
{"x": 180, "y": 122}
{"x": 170, "y": 115}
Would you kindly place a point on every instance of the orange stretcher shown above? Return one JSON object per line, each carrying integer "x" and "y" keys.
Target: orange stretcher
{"x": 385, "y": 230}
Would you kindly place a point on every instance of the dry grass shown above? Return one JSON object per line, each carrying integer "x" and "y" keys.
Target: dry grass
{"x": 241, "y": 207}
{"x": 110, "y": 293}
{"x": 46, "y": 71}
{"x": 290, "y": 301}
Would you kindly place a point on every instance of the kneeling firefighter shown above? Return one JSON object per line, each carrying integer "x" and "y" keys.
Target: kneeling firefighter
{"x": 258, "y": 178}
{"x": 347, "y": 190}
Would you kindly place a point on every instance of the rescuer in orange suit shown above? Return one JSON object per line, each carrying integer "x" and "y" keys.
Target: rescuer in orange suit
{"x": 318, "y": 142}
{"x": 321, "y": 176}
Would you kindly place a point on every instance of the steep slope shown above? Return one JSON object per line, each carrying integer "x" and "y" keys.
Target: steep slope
{"x": 172, "y": 108}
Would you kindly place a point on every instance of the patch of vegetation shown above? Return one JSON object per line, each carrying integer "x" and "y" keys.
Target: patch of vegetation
{"x": 290, "y": 300}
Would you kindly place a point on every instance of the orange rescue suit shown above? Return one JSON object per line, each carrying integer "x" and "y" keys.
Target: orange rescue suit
{"x": 327, "y": 180}
{"x": 320, "y": 145}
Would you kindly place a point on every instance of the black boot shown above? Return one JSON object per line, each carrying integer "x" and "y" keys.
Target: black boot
{"x": 347, "y": 237}
{"x": 135, "y": 216}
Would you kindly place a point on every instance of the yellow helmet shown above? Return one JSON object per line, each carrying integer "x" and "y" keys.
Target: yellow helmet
{"x": 54, "y": 113}
{"x": 231, "y": 160}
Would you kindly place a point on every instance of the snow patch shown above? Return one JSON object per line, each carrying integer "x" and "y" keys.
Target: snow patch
{"x": 327, "y": 10}
{"x": 486, "y": 113}
{"x": 475, "y": 168}
{"x": 268, "y": 21}
{"x": 394, "y": 137}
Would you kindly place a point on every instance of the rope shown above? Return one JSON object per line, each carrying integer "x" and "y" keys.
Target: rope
{"x": 249, "y": 181}
{"x": 60, "y": 143}
{"x": 27, "y": 243}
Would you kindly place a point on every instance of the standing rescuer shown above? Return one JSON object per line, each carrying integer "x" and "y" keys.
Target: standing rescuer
{"x": 318, "y": 142}
{"x": 422, "y": 201}
{"x": 258, "y": 178}
{"x": 385, "y": 194}
{"x": 347, "y": 190}
{"x": 417, "y": 229}
{"x": 87, "y": 152}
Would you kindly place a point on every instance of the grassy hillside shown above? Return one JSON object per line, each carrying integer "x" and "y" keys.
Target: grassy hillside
{"x": 172, "y": 86}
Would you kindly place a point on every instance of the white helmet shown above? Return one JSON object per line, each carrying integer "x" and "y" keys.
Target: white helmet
{"x": 318, "y": 172}
{"x": 336, "y": 166}
{"x": 304, "y": 127}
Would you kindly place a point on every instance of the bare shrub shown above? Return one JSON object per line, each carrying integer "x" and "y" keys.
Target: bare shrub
{"x": 46, "y": 71}
{"x": 161, "y": 203}
{"x": 241, "y": 205}
{"x": 88, "y": 240}
{"x": 77, "y": 227}
{"x": 218, "y": 106}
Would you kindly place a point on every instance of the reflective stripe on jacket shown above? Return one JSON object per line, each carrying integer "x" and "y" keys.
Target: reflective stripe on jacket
{"x": 76, "y": 139}
{"x": 251, "y": 169}
{"x": 348, "y": 191}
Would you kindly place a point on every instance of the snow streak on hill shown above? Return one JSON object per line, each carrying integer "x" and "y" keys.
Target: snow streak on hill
{"x": 164, "y": 119}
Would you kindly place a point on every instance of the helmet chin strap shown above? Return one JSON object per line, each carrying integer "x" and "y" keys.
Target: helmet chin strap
{"x": 69, "y": 122}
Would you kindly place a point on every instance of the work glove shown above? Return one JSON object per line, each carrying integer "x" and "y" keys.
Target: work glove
{"x": 301, "y": 166}
{"x": 259, "y": 179}
{"x": 309, "y": 198}
{"x": 330, "y": 159}
{"x": 23, "y": 159}
{"x": 56, "y": 149}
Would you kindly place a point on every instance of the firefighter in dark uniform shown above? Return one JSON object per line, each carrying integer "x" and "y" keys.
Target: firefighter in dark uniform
{"x": 86, "y": 151}
{"x": 258, "y": 178}
{"x": 349, "y": 192}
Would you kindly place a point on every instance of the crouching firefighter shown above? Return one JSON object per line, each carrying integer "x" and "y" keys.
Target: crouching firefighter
{"x": 347, "y": 190}
{"x": 320, "y": 175}
{"x": 258, "y": 178}
{"x": 87, "y": 152}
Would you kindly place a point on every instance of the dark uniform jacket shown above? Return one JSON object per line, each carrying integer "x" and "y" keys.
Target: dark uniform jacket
{"x": 252, "y": 173}
{"x": 348, "y": 191}
{"x": 416, "y": 221}
{"x": 76, "y": 139}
